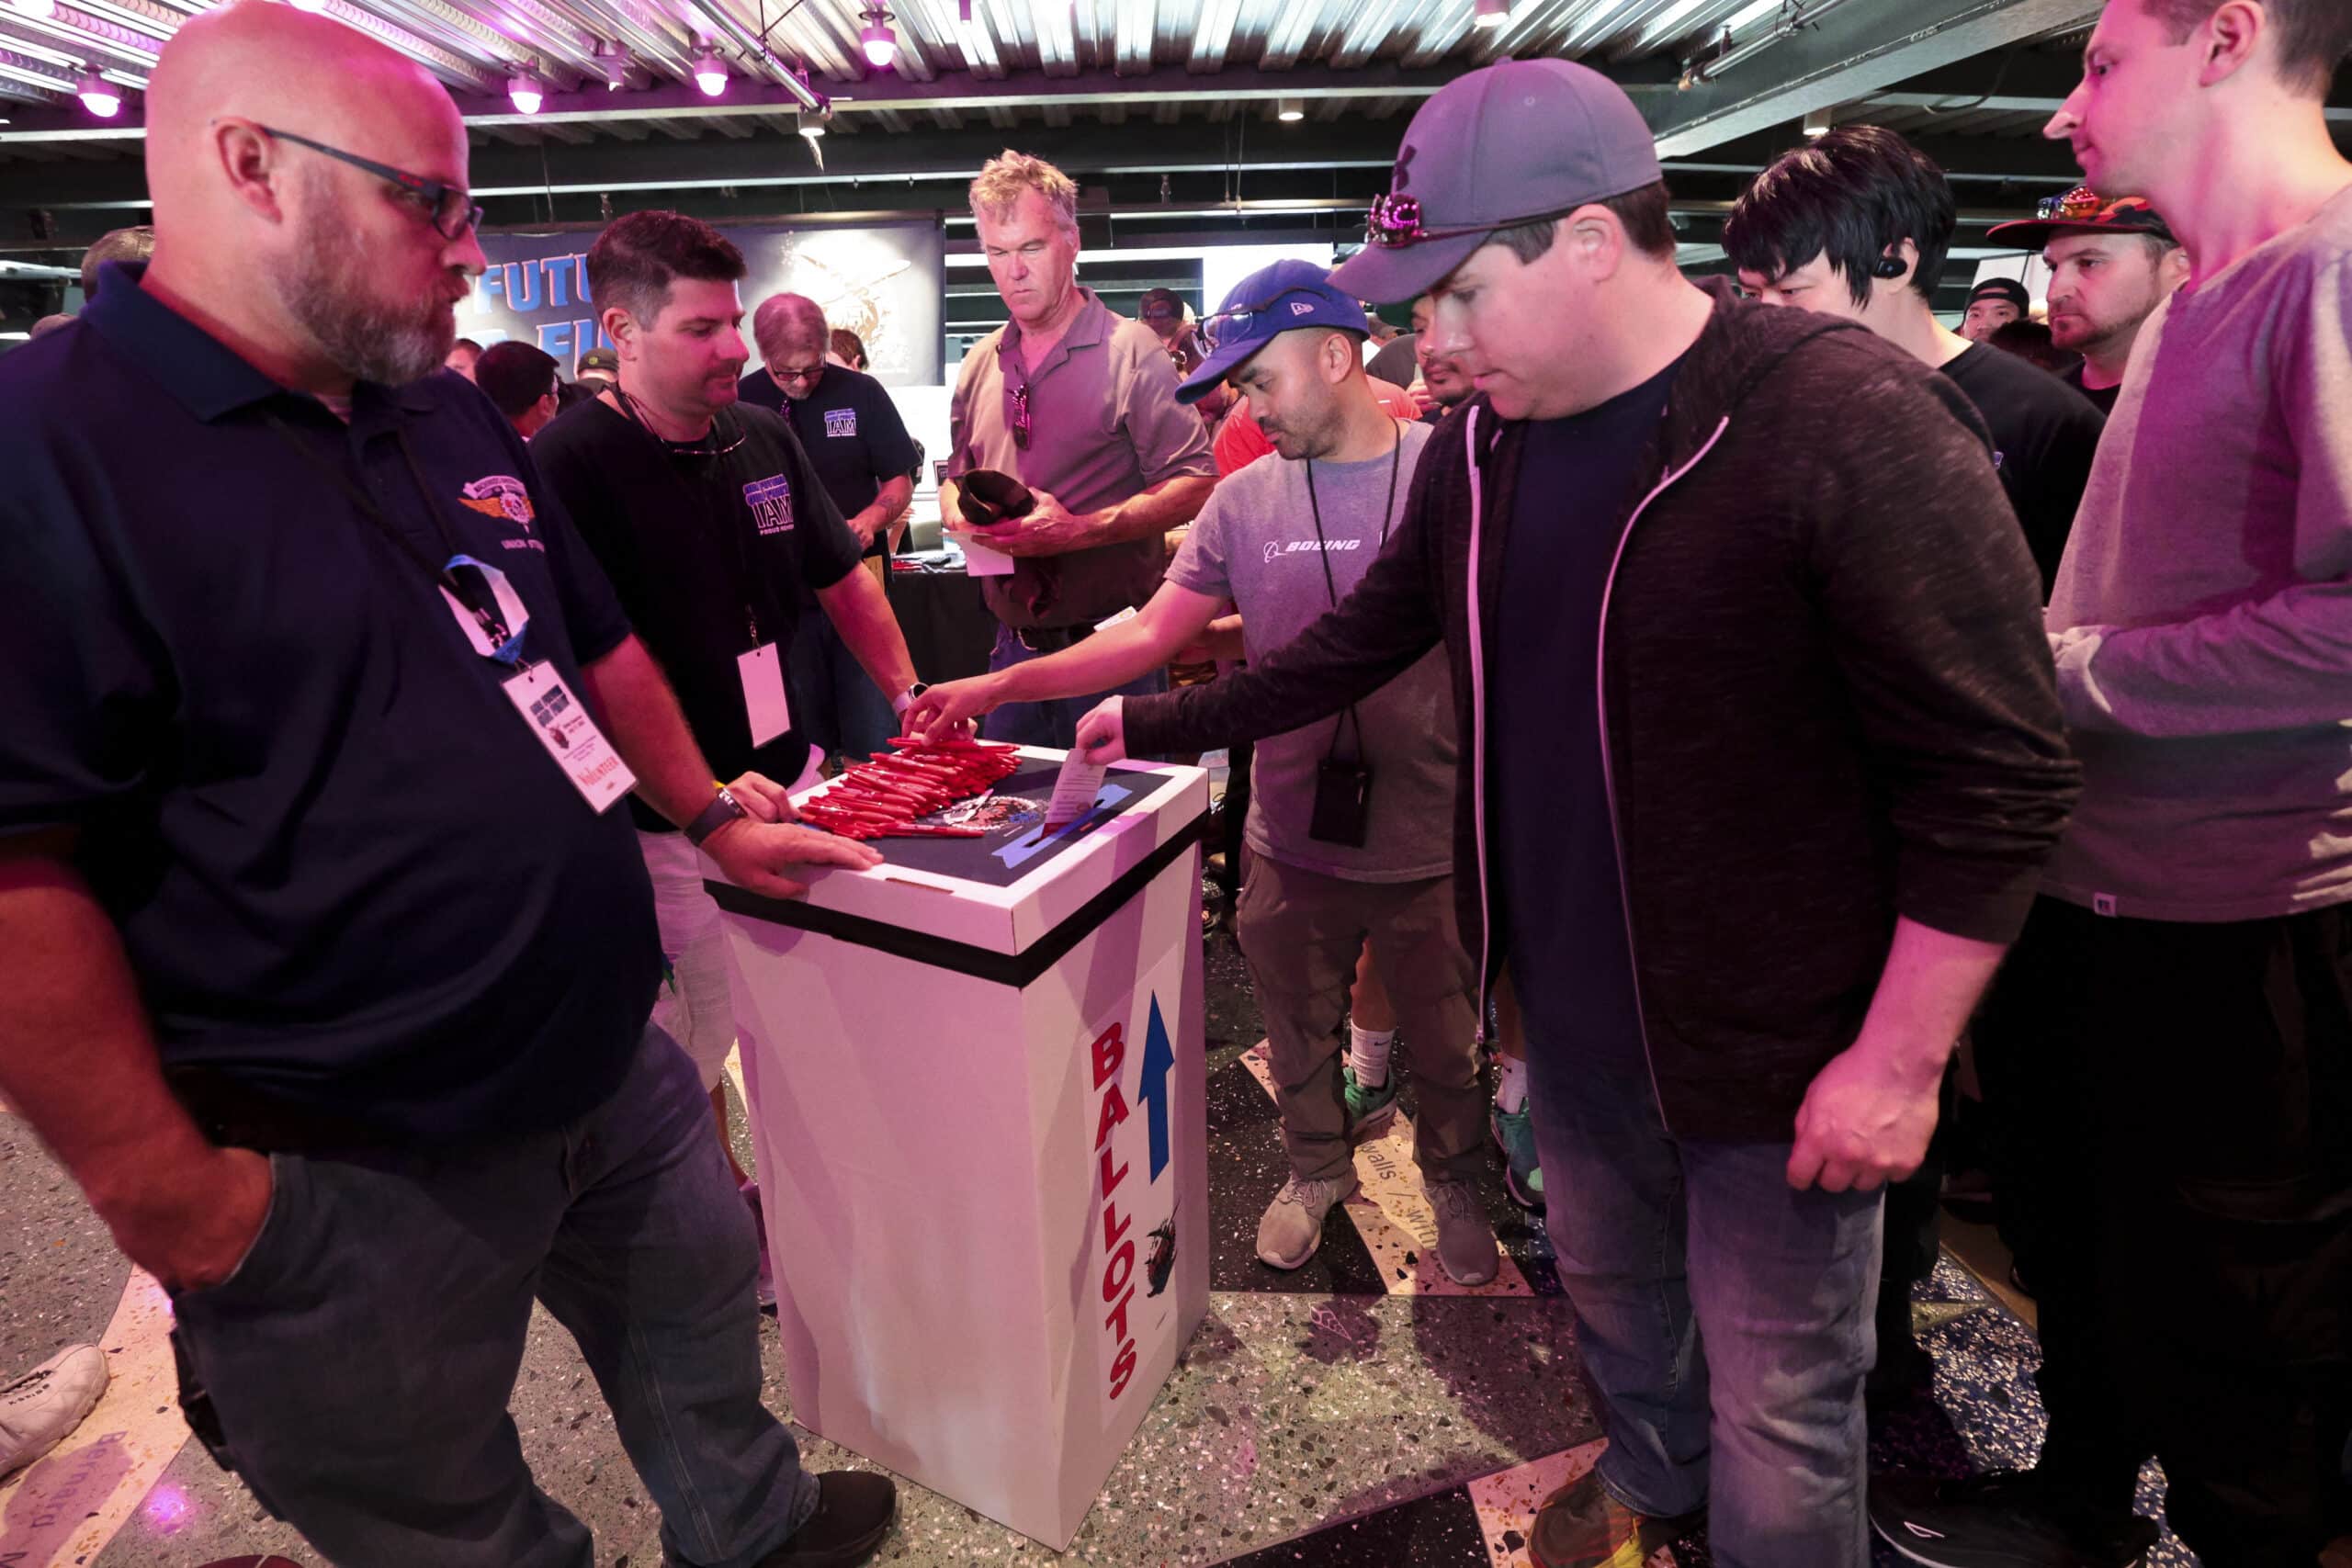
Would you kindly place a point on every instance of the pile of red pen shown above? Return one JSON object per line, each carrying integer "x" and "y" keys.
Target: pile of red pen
{"x": 881, "y": 799}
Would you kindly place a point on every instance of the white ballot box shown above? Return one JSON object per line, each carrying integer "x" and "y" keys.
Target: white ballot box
{"x": 975, "y": 1077}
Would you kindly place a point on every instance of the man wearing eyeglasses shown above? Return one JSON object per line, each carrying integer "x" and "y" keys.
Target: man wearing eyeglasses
{"x": 1760, "y": 762}
{"x": 325, "y": 949}
{"x": 1079, "y": 405}
{"x": 860, "y": 449}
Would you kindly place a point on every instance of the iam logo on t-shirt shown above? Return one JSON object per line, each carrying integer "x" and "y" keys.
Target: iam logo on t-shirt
{"x": 841, "y": 422}
{"x": 771, "y": 502}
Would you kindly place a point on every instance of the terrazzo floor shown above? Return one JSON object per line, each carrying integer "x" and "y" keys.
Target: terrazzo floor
{"x": 1360, "y": 1411}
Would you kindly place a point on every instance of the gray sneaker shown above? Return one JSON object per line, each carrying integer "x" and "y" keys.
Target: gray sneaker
{"x": 1465, "y": 1241}
{"x": 1293, "y": 1227}
{"x": 40, "y": 1408}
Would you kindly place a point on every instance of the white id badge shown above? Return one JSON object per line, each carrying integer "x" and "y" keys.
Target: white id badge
{"x": 979, "y": 560}
{"x": 561, "y": 720}
{"x": 762, "y": 674}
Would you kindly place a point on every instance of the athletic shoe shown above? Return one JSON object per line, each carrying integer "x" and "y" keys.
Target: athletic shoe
{"x": 764, "y": 1281}
{"x": 854, "y": 1511}
{"x": 40, "y": 1408}
{"x": 1581, "y": 1526}
{"x": 1293, "y": 1226}
{"x": 2004, "y": 1519}
{"x": 1515, "y": 1130}
{"x": 1465, "y": 1240}
{"x": 1370, "y": 1110}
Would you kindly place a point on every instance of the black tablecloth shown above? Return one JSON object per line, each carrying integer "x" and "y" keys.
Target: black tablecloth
{"x": 948, "y": 627}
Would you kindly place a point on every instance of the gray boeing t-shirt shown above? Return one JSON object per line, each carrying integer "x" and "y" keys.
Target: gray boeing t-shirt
{"x": 2203, "y": 612}
{"x": 1255, "y": 543}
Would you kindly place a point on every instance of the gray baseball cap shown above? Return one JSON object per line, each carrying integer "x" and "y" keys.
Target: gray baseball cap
{"x": 1518, "y": 141}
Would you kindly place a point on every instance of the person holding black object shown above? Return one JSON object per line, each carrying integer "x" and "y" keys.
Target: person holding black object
{"x": 860, "y": 448}
{"x": 710, "y": 521}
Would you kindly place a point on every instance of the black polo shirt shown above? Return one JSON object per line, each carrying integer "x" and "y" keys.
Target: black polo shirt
{"x": 346, "y": 871}
{"x": 852, "y": 432}
{"x": 715, "y": 546}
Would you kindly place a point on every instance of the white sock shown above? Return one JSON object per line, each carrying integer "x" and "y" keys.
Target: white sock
{"x": 1368, "y": 1054}
{"x": 1511, "y": 1087}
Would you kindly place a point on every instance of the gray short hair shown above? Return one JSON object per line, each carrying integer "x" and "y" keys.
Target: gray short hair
{"x": 1004, "y": 177}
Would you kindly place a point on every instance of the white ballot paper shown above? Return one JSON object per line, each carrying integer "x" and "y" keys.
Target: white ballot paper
{"x": 982, "y": 561}
{"x": 1074, "y": 790}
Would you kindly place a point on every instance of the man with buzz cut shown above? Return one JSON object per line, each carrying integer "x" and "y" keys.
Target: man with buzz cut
{"x": 1760, "y": 764}
{"x": 2189, "y": 969}
{"x": 1348, "y": 815}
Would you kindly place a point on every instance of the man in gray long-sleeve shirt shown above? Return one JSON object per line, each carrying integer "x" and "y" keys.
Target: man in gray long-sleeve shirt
{"x": 2189, "y": 977}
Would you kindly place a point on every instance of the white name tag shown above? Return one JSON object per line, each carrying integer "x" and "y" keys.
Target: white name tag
{"x": 580, "y": 748}
{"x": 762, "y": 674}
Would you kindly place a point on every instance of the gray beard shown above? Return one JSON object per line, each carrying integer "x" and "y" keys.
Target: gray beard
{"x": 323, "y": 286}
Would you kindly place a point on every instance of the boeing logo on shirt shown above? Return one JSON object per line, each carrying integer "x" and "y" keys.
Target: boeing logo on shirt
{"x": 771, "y": 502}
{"x": 1311, "y": 547}
{"x": 841, "y": 422}
{"x": 507, "y": 497}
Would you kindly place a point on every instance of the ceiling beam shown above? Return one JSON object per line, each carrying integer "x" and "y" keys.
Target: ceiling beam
{"x": 1848, "y": 54}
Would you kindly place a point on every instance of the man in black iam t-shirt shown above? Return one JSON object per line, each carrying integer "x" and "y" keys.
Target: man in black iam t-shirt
{"x": 714, "y": 529}
{"x": 863, "y": 456}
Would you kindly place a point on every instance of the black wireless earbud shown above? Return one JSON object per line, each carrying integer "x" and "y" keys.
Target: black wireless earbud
{"x": 1890, "y": 267}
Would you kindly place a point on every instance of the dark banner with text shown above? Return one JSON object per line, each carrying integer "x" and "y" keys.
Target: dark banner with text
{"x": 883, "y": 283}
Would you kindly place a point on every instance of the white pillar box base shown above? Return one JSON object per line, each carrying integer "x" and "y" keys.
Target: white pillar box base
{"x": 977, "y": 1105}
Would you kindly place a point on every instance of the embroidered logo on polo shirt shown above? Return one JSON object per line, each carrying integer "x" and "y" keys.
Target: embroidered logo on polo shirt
{"x": 502, "y": 496}
{"x": 840, "y": 422}
{"x": 771, "y": 502}
{"x": 1310, "y": 547}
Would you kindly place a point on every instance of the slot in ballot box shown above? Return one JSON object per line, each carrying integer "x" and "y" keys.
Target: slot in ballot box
{"x": 976, "y": 1079}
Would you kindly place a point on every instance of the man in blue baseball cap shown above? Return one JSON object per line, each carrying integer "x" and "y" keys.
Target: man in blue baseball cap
{"x": 1350, "y": 823}
{"x": 1760, "y": 762}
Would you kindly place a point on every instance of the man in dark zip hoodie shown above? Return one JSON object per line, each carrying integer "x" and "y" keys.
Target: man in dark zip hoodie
{"x": 1764, "y": 761}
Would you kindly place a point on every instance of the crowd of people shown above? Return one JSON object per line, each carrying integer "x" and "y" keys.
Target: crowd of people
{"x": 1721, "y": 697}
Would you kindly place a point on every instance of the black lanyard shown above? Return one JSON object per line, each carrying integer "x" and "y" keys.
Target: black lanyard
{"x": 1323, "y": 553}
{"x": 670, "y": 451}
{"x": 486, "y": 616}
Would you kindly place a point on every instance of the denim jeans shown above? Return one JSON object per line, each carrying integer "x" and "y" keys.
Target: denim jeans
{"x": 1052, "y": 723}
{"x": 361, "y": 1358}
{"x": 1724, "y": 1319}
{"x": 834, "y": 702}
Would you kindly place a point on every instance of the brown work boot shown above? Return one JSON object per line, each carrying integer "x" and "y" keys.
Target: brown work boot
{"x": 1581, "y": 1526}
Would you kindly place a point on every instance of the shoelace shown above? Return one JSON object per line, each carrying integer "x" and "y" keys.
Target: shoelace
{"x": 1314, "y": 1196}
{"x": 1452, "y": 1200}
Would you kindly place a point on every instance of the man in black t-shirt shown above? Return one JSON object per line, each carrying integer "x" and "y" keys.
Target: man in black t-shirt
{"x": 2111, "y": 264}
{"x": 1797, "y": 236}
{"x": 713, "y": 527}
{"x": 862, "y": 453}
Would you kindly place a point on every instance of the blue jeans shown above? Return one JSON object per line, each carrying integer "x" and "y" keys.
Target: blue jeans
{"x": 361, "y": 1358}
{"x": 834, "y": 702}
{"x": 1724, "y": 1319}
{"x": 1052, "y": 723}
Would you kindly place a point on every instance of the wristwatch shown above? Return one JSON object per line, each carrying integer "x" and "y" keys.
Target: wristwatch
{"x": 722, "y": 810}
{"x": 906, "y": 699}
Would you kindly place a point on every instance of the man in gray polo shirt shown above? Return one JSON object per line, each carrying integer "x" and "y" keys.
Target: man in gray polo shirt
{"x": 1079, "y": 405}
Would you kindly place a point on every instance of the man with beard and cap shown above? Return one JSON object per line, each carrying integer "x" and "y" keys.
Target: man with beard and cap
{"x": 325, "y": 958}
{"x": 2111, "y": 264}
{"x": 1759, "y": 763}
